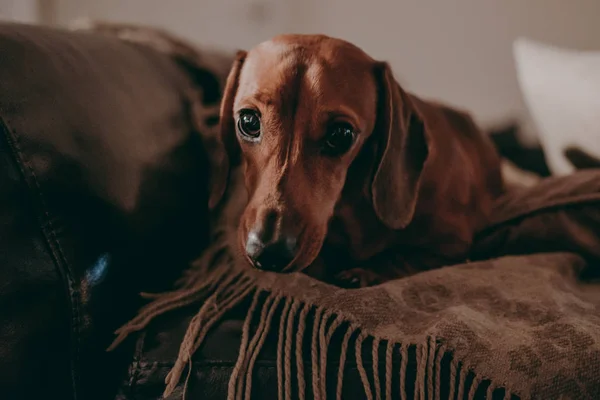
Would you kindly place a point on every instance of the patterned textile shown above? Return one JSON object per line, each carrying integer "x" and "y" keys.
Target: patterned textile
{"x": 508, "y": 326}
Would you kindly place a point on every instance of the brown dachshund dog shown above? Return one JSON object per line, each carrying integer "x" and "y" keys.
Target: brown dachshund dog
{"x": 340, "y": 162}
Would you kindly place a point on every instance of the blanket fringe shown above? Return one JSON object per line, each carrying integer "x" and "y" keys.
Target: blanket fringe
{"x": 474, "y": 386}
{"x": 233, "y": 381}
{"x": 299, "y": 351}
{"x": 421, "y": 372}
{"x": 343, "y": 353}
{"x": 361, "y": 367}
{"x": 266, "y": 317}
{"x": 280, "y": 348}
{"x": 461, "y": 383}
{"x": 389, "y": 352}
{"x": 210, "y": 313}
{"x": 322, "y": 340}
{"x": 314, "y": 353}
{"x": 325, "y": 342}
{"x": 490, "y": 392}
{"x": 223, "y": 288}
{"x": 441, "y": 350}
{"x": 288, "y": 354}
{"x": 375, "y": 363}
{"x": 403, "y": 367}
{"x": 453, "y": 377}
{"x": 431, "y": 365}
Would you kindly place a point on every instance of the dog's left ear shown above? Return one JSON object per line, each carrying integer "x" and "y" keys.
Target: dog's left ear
{"x": 402, "y": 149}
{"x": 228, "y": 150}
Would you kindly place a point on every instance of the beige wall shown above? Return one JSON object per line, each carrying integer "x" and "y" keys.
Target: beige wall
{"x": 456, "y": 50}
{"x": 19, "y": 10}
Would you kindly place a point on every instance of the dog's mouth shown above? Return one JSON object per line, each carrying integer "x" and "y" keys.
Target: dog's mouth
{"x": 272, "y": 262}
{"x": 272, "y": 259}
{"x": 269, "y": 267}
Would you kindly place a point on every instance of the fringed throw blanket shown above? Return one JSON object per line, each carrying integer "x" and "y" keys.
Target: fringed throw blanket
{"x": 524, "y": 322}
{"x": 515, "y": 326}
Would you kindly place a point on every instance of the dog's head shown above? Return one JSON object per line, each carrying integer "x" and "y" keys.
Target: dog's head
{"x": 298, "y": 111}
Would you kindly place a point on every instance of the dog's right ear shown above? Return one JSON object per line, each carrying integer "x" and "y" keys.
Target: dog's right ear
{"x": 403, "y": 143}
{"x": 228, "y": 150}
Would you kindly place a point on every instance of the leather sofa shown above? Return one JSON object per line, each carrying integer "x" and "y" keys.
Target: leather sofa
{"x": 102, "y": 195}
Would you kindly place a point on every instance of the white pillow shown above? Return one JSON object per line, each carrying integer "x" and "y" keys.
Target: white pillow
{"x": 561, "y": 89}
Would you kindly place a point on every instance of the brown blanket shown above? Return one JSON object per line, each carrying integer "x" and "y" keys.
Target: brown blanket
{"x": 523, "y": 322}
{"x": 523, "y": 326}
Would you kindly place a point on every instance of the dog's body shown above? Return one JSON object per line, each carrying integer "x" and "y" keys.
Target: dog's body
{"x": 336, "y": 155}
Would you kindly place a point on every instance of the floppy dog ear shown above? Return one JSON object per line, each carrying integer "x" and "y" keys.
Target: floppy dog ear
{"x": 227, "y": 151}
{"x": 402, "y": 150}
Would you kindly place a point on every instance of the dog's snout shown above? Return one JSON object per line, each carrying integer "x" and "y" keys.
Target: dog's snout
{"x": 273, "y": 255}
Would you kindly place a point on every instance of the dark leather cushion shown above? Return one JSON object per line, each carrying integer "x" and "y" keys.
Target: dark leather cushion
{"x": 102, "y": 195}
{"x": 34, "y": 307}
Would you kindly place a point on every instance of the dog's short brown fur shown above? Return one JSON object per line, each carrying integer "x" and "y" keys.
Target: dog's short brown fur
{"x": 419, "y": 174}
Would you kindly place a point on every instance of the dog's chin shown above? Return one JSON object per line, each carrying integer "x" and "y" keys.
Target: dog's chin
{"x": 308, "y": 261}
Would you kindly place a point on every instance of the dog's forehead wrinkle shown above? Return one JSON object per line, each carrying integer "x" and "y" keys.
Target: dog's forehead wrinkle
{"x": 278, "y": 71}
{"x": 273, "y": 80}
{"x": 311, "y": 49}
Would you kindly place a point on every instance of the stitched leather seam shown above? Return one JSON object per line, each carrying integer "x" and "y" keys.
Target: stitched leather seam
{"x": 53, "y": 244}
{"x": 136, "y": 366}
{"x": 134, "y": 374}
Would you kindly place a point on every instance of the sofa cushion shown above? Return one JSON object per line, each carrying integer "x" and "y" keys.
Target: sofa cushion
{"x": 560, "y": 88}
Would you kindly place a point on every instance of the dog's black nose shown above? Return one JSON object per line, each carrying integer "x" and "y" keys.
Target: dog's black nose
{"x": 273, "y": 256}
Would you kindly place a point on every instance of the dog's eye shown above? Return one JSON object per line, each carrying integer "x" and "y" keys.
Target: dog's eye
{"x": 339, "y": 139}
{"x": 249, "y": 124}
